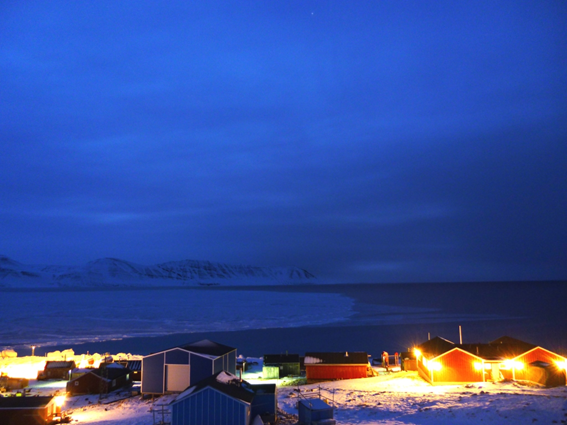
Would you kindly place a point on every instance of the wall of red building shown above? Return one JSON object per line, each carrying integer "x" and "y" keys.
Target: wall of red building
{"x": 335, "y": 372}
{"x": 536, "y": 354}
{"x": 457, "y": 366}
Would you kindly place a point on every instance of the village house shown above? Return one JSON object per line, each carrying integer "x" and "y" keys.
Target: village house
{"x": 57, "y": 370}
{"x": 343, "y": 365}
{"x": 440, "y": 361}
{"x": 103, "y": 380}
{"x": 135, "y": 367}
{"x": 277, "y": 366}
{"x": 175, "y": 369}
{"x": 225, "y": 399}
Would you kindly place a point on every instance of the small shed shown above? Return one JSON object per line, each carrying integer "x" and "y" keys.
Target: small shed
{"x": 408, "y": 361}
{"x": 57, "y": 370}
{"x": 175, "y": 369}
{"x": 314, "y": 410}
{"x": 224, "y": 399}
{"x": 278, "y": 366}
{"x": 343, "y": 365}
{"x": 28, "y": 410}
{"x": 101, "y": 381}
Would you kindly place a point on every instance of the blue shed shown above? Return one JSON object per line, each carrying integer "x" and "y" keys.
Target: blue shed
{"x": 314, "y": 410}
{"x": 175, "y": 369}
{"x": 224, "y": 399}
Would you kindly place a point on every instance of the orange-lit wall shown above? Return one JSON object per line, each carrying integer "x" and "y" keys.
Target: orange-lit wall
{"x": 537, "y": 353}
{"x": 335, "y": 372}
{"x": 456, "y": 366}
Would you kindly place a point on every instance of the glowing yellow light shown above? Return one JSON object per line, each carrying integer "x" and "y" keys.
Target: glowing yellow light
{"x": 477, "y": 365}
{"x": 518, "y": 365}
{"x": 417, "y": 353}
{"x": 434, "y": 365}
{"x": 22, "y": 368}
{"x": 561, "y": 364}
{"x": 59, "y": 400}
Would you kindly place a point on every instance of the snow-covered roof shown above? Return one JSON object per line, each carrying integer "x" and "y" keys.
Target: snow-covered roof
{"x": 59, "y": 364}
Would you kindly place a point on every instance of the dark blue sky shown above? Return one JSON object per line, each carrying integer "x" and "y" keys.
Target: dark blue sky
{"x": 371, "y": 141}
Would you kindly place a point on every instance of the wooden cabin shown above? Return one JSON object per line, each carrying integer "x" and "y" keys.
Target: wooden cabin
{"x": 101, "y": 381}
{"x": 225, "y": 399}
{"x": 57, "y": 370}
{"x": 175, "y": 369}
{"x": 28, "y": 410}
{"x": 331, "y": 366}
{"x": 440, "y": 361}
{"x": 278, "y": 366}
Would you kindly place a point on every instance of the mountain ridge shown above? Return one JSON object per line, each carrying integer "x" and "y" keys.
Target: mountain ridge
{"x": 108, "y": 271}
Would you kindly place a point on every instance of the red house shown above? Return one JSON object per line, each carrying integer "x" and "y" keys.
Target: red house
{"x": 329, "y": 366}
{"x": 440, "y": 361}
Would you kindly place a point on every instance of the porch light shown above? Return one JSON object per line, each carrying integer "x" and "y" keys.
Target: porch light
{"x": 561, "y": 364}
{"x": 417, "y": 353}
{"x": 477, "y": 365}
{"x": 434, "y": 365}
{"x": 59, "y": 400}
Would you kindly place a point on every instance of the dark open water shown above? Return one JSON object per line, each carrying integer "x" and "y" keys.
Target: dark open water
{"x": 394, "y": 317}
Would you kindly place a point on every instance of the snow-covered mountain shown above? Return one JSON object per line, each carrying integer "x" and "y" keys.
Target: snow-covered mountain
{"x": 116, "y": 272}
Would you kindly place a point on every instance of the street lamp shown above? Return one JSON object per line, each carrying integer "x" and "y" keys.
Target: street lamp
{"x": 32, "y": 350}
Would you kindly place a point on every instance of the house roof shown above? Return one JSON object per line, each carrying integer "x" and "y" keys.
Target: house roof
{"x": 436, "y": 346}
{"x": 134, "y": 365}
{"x": 59, "y": 365}
{"x": 206, "y": 346}
{"x": 498, "y": 351}
{"x": 281, "y": 358}
{"x": 501, "y": 348}
{"x": 343, "y": 358}
{"x": 24, "y": 402}
{"x": 106, "y": 373}
{"x": 226, "y": 383}
{"x": 315, "y": 404}
{"x": 111, "y": 372}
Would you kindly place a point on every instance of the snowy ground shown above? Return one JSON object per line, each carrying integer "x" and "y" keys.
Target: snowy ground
{"x": 394, "y": 399}
{"x": 403, "y": 398}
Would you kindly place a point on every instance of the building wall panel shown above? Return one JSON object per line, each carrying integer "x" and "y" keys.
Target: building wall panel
{"x": 209, "y": 407}
{"x": 201, "y": 368}
{"x": 536, "y": 354}
{"x": 176, "y": 356}
{"x": 152, "y": 374}
{"x": 457, "y": 366}
{"x": 335, "y": 372}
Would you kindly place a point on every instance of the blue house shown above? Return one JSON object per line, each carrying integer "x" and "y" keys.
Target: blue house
{"x": 175, "y": 369}
{"x": 224, "y": 399}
